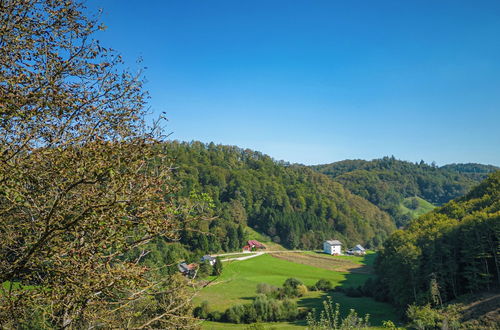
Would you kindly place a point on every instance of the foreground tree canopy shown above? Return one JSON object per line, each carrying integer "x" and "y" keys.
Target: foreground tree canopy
{"x": 78, "y": 189}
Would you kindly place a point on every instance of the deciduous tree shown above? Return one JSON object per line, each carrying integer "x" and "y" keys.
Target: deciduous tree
{"x": 82, "y": 179}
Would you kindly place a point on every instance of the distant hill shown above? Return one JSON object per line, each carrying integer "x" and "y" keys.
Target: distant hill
{"x": 451, "y": 251}
{"x": 387, "y": 182}
{"x": 292, "y": 204}
{"x": 472, "y": 170}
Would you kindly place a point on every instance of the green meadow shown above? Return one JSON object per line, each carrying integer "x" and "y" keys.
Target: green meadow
{"x": 422, "y": 207}
{"x": 238, "y": 282}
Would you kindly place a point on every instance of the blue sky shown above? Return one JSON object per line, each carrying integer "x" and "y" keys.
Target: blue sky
{"x": 320, "y": 81}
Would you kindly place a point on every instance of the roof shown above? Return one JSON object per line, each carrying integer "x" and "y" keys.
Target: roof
{"x": 359, "y": 247}
{"x": 207, "y": 257}
{"x": 333, "y": 242}
{"x": 255, "y": 243}
{"x": 183, "y": 267}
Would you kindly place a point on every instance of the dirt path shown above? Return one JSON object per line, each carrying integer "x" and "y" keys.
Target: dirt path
{"x": 254, "y": 254}
{"x": 244, "y": 258}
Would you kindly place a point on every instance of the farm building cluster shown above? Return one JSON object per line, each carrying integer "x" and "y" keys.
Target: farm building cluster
{"x": 190, "y": 270}
{"x": 253, "y": 245}
{"x": 334, "y": 247}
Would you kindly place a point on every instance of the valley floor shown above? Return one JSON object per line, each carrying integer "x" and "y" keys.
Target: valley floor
{"x": 238, "y": 282}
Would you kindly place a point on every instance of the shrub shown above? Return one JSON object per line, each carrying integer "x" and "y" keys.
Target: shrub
{"x": 263, "y": 309}
{"x": 289, "y": 289}
{"x": 423, "y": 317}
{"x": 323, "y": 285}
{"x": 215, "y": 316}
{"x": 330, "y": 318}
{"x": 202, "y": 311}
{"x": 266, "y": 289}
{"x": 217, "y": 269}
{"x": 205, "y": 269}
{"x": 353, "y": 292}
{"x": 292, "y": 282}
{"x": 301, "y": 290}
{"x": 235, "y": 314}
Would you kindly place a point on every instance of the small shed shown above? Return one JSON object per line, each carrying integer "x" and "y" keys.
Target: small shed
{"x": 358, "y": 250}
{"x": 209, "y": 259}
{"x": 333, "y": 247}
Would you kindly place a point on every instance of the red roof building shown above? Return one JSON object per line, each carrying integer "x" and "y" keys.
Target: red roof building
{"x": 256, "y": 244}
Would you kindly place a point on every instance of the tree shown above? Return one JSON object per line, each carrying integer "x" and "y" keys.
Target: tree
{"x": 82, "y": 180}
{"x": 217, "y": 267}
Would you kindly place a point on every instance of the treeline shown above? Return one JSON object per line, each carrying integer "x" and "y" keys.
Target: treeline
{"x": 386, "y": 182}
{"x": 451, "y": 251}
{"x": 294, "y": 205}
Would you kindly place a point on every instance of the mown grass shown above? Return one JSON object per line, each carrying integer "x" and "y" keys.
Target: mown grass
{"x": 239, "y": 279}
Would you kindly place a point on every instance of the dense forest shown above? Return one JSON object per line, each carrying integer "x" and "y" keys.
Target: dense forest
{"x": 446, "y": 253}
{"x": 292, "y": 204}
{"x": 387, "y": 182}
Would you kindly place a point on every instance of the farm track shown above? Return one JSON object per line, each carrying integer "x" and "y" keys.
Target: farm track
{"x": 247, "y": 256}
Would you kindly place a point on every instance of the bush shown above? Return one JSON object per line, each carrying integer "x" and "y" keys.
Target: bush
{"x": 324, "y": 285}
{"x": 289, "y": 289}
{"x": 301, "y": 290}
{"x": 205, "y": 269}
{"x": 235, "y": 314}
{"x": 263, "y": 309}
{"x": 423, "y": 317}
{"x": 292, "y": 282}
{"x": 330, "y": 318}
{"x": 267, "y": 289}
{"x": 202, "y": 311}
{"x": 217, "y": 269}
{"x": 215, "y": 316}
{"x": 312, "y": 288}
{"x": 353, "y": 292}
{"x": 426, "y": 317}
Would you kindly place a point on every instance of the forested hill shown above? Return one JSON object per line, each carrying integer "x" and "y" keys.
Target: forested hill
{"x": 448, "y": 252}
{"x": 387, "y": 182}
{"x": 292, "y": 204}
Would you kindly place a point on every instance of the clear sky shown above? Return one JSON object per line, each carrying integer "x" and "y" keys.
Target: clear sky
{"x": 320, "y": 81}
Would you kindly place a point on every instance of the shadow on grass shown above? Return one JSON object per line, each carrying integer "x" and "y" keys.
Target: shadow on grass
{"x": 378, "y": 311}
{"x": 247, "y": 298}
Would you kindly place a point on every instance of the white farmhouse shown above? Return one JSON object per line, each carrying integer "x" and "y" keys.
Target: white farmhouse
{"x": 333, "y": 247}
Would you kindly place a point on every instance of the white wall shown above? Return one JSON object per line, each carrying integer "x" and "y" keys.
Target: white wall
{"x": 335, "y": 249}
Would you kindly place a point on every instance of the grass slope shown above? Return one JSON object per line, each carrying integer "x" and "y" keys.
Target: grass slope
{"x": 422, "y": 208}
{"x": 239, "y": 279}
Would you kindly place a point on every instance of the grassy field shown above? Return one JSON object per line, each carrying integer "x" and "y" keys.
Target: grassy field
{"x": 350, "y": 264}
{"x": 423, "y": 207}
{"x": 238, "y": 282}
